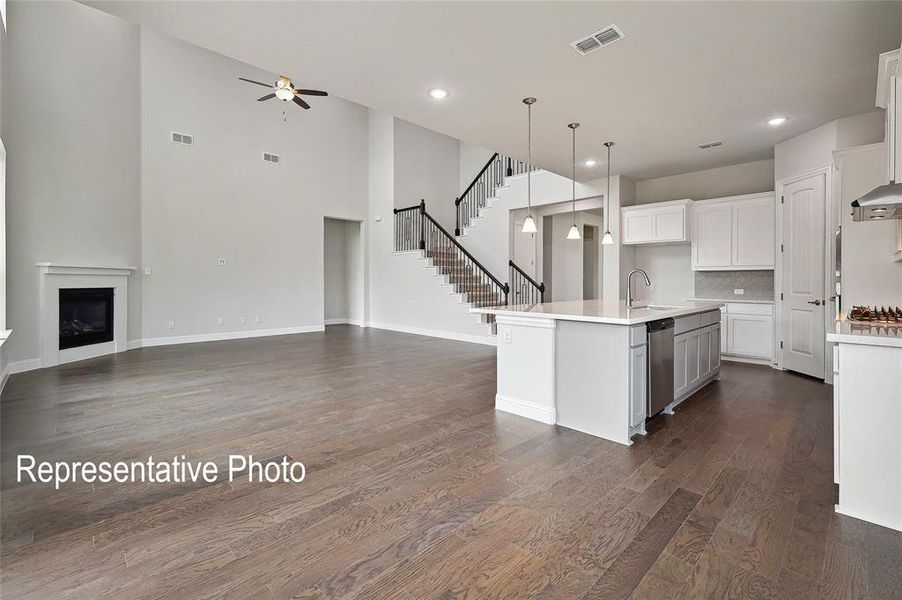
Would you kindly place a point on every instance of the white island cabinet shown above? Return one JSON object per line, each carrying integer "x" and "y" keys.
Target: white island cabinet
{"x": 584, "y": 364}
{"x": 867, "y": 421}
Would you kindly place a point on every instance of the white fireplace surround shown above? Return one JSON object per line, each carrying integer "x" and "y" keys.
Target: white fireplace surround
{"x": 54, "y": 276}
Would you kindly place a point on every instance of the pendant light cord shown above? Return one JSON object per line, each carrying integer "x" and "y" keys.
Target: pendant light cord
{"x": 529, "y": 159}
{"x": 573, "y": 175}
{"x": 607, "y": 197}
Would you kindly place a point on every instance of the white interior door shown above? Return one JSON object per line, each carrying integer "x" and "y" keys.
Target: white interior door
{"x": 802, "y": 308}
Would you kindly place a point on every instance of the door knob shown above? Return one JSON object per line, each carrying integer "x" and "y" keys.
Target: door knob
{"x": 815, "y": 302}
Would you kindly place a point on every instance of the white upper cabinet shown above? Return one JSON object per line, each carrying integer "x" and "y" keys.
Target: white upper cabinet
{"x": 660, "y": 223}
{"x": 753, "y": 233}
{"x": 731, "y": 234}
{"x": 711, "y": 237}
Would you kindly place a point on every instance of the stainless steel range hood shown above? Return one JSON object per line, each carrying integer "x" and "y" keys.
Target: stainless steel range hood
{"x": 884, "y": 202}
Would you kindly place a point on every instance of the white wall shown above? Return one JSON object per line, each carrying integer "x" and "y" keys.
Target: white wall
{"x": 472, "y": 159}
{"x": 814, "y": 149}
{"x": 868, "y": 274}
{"x": 745, "y": 178}
{"x": 73, "y": 169}
{"x": 427, "y": 166}
{"x": 219, "y": 199}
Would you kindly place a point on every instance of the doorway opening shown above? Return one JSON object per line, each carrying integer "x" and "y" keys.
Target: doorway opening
{"x": 590, "y": 262}
{"x": 343, "y": 272}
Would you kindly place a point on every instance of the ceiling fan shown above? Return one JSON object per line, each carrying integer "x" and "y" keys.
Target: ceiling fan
{"x": 284, "y": 89}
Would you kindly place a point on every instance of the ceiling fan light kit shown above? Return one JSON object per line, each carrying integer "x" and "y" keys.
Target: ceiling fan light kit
{"x": 283, "y": 89}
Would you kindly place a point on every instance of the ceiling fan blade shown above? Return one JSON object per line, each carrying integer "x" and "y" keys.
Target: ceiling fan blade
{"x": 269, "y": 85}
{"x": 300, "y": 103}
{"x": 266, "y": 97}
{"x": 311, "y": 92}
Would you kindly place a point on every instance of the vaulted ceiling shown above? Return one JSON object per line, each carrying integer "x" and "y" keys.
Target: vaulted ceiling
{"x": 686, "y": 72}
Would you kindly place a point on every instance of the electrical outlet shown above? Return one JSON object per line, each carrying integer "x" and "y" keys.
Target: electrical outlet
{"x": 222, "y": 262}
{"x": 738, "y": 291}
{"x": 244, "y": 320}
{"x": 171, "y": 324}
{"x": 147, "y": 271}
{"x": 507, "y": 335}
{"x": 259, "y": 319}
{"x": 220, "y": 321}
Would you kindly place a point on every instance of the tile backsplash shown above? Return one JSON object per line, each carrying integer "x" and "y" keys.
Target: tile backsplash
{"x": 758, "y": 285}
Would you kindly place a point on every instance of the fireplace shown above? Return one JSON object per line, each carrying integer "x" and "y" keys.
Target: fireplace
{"x": 86, "y": 316}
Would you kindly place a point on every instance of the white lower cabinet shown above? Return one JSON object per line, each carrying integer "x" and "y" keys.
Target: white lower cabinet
{"x": 747, "y": 330}
{"x": 750, "y": 335}
{"x": 696, "y": 359}
{"x": 638, "y": 384}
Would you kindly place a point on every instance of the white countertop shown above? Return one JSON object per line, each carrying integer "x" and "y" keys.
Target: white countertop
{"x": 596, "y": 311}
{"x": 867, "y": 334}
{"x": 735, "y": 299}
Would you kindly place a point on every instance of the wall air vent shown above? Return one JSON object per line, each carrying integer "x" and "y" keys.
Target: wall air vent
{"x": 707, "y": 145}
{"x": 599, "y": 39}
{"x": 271, "y": 158}
{"x": 181, "y": 138}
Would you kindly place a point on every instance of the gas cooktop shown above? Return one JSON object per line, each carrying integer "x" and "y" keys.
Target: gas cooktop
{"x": 884, "y": 315}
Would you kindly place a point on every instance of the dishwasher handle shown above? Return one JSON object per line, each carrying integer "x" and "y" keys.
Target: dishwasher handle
{"x": 659, "y": 325}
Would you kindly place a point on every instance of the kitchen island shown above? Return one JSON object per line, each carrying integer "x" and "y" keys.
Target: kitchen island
{"x": 584, "y": 364}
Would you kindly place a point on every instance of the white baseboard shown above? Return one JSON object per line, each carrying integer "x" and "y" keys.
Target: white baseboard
{"x": 20, "y": 366}
{"x": 217, "y": 337}
{"x": 525, "y": 408}
{"x": 357, "y": 322}
{"x": 487, "y": 340}
{"x": 743, "y": 359}
{"x": 896, "y": 525}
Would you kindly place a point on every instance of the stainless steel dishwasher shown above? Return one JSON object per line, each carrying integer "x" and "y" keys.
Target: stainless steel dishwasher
{"x": 660, "y": 365}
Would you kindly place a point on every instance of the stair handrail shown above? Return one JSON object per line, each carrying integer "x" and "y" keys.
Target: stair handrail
{"x": 539, "y": 287}
{"x": 484, "y": 168}
{"x": 422, "y": 244}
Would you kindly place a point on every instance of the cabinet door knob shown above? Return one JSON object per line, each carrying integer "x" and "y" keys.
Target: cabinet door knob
{"x": 815, "y": 302}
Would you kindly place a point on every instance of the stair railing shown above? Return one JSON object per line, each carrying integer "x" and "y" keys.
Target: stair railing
{"x": 525, "y": 289}
{"x": 415, "y": 229}
{"x": 475, "y": 197}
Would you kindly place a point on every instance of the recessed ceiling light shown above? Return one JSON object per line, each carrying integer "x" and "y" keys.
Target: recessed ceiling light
{"x": 776, "y": 121}
{"x": 590, "y": 163}
{"x": 438, "y": 93}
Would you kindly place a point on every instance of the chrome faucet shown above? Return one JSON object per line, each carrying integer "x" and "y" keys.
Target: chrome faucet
{"x": 629, "y": 285}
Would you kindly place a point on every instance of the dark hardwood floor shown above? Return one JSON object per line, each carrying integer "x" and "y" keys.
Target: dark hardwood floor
{"x": 417, "y": 488}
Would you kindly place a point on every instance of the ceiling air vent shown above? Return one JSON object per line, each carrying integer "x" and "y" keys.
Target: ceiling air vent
{"x": 707, "y": 145}
{"x": 599, "y": 39}
{"x": 181, "y": 138}
{"x": 271, "y": 158}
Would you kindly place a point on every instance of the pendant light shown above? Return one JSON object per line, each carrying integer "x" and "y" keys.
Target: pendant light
{"x": 529, "y": 223}
{"x": 573, "y": 234}
{"x": 607, "y": 239}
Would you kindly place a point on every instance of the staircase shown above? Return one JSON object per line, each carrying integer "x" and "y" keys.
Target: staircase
{"x": 416, "y": 229}
{"x": 484, "y": 187}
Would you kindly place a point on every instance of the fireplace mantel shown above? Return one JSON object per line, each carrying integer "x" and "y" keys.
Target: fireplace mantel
{"x": 67, "y": 269}
{"x": 54, "y": 276}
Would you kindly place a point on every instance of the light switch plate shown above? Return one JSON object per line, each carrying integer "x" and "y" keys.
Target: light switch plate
{"x": 507, "y": 335}
{"x": 147, "y": 271}
{"x": 244, "y": 320}
{"x": 738, "y": 291}
{"x": 222, "y": 262}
